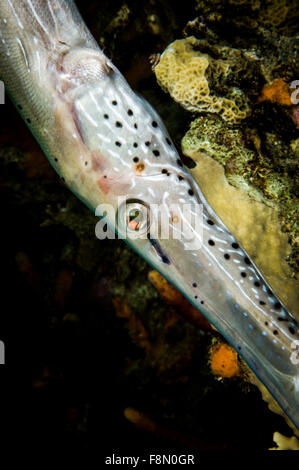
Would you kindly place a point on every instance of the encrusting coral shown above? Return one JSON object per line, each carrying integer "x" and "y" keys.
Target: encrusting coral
{"x": 285, "y": 443}
{"x": 256, "y": 225}
{"x": 187, "y": 74}
{"x": 272, "y": 403}
{"x": 262, "y": 170}
{"x": 278, "y": 14}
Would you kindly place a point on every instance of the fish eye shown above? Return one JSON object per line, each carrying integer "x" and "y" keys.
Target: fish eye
{"x": 133, "y": 218}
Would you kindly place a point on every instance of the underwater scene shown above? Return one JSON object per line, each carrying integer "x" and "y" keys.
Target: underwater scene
{"x": 149, "y": 156}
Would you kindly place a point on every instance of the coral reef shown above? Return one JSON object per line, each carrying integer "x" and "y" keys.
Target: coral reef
{"x": 285, "y": 443}
{"x": 277, "y": 15}
{"x": 267, "y": 397}
{"x": 188, "y": 74}
{"x": 254, "y": 139}
{"x": 249, "y": 168}
{"x": 103, "y": 336}
{"x": 267, "y": 32}
{"x": 264, "y": 167}
{"x": 257, "y": 226}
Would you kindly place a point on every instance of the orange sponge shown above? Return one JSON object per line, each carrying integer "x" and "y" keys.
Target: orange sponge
{"x": 276, "y": 92}
{"x": 224, "y": 360}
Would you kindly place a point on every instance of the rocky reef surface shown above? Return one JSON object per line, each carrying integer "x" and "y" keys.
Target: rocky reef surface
{"x": 97, "y": 342}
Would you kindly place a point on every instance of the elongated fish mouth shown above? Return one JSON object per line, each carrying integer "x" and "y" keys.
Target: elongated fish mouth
{"x": 107, "y": 142}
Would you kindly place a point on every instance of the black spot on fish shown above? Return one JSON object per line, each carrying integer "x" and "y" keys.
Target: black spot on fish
{"x": 164, "y": 171}
{"x": 194, "y": 284}
{"x": 262, "y": 302}
{"x": 135, "y": 125}
{"x": 135, "y": 144}
{"x": 154, "y": 124}
{"x": 130, "y": 112}
{"x": 190, "y": 192}
{"x": 211, "y": 242}
{"x": 20, "y": 106}
{"x": 257, "y": 284}
{"x": 135, "y": 159}
{"x": 210, "y": 222}
{"x": 243, "y": 274}
{"x": 235, "y": 245}
{"x": 147, "y": 143}
{"x": 275, "y": 332}
{"x": 180, "y": 178}
{"x": 168, "y": 141}
{"x": 202, "y": 302}
{"x": 291, "y": 330}
{"x": 247, "y": 260}
{"x": 118, "y": 124}
{"x": 156, "y": 153}
{"x": 114, "y": 103}
{"x": 277, "y": 306}
{"x": 118, "y": 143}
{"x": 106, "y": 116}
{"x": 28, "y": 121}
{"x": 226, "y": 256}
{"x": 56, "y": 159}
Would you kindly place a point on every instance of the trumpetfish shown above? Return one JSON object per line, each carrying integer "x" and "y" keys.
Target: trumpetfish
{"x": 106, "y": 142}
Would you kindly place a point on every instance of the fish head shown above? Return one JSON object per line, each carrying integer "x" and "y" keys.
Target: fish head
{"x": 136, "y": 165}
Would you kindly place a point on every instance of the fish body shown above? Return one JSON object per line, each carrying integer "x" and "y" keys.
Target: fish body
{"x": 110, "y": 147}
